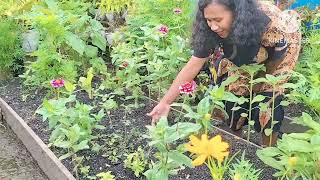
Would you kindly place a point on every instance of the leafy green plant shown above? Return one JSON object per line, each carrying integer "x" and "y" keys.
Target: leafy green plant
{"x": 117, "y": 144}
{"x": 72, "y": 126}
{"x": 215, "y": 98}
{"x": 86, "y": 83}
{"x": 144, "y": 56}
{"x": 16, "y": 7}
{"x": 10, "y": 50}
{"x": 218, "y": 169}
{"x": 106, "y": 176}
{"x": 69, "y": 39}
{"x": 136, "y": 162}
{"x": 251, "y": 71}
{"x": 275, "y": 82}
{"x": 242, "y": 169}
{"x": 114, "y": 5}
{"x": 163, "y": 137}
{"x": 306, "y": 80}
{"x": 296, "y": 155}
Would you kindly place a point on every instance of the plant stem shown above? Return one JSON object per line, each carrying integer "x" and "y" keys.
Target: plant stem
{"x": 250, "y": 107}
{"x": 272, "y": 114}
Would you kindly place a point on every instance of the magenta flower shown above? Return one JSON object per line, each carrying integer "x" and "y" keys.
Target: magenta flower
{"x": 163, "y": 29}
{"x": 188, "y": 88}
{"x": 57, "y": 83}
{"x": 177, "y": 10}
{"x": 125, "y": 64}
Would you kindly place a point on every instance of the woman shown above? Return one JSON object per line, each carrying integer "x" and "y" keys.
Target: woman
{"x": 238, "y": 32}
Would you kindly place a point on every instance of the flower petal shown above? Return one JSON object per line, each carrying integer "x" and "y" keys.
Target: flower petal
{"x": 194, "y": 140}
{"x": 194, "y": 149}
{"x": 199, "y": 160}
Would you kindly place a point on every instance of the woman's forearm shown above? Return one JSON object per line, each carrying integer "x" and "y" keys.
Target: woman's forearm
{"x": 187, "y": 74}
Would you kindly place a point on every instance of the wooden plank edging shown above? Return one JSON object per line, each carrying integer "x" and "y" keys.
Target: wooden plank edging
{"x": 45, "y": 158}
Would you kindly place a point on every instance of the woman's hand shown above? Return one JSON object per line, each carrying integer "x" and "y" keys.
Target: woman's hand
{"x": 187, "y": 74}
{"x": 161, "y": 110}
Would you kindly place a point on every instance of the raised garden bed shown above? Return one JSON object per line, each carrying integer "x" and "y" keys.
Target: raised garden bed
{"x": 13, "y": 93}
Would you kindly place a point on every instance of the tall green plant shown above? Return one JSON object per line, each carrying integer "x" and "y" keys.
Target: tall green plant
{"x": 69, "y": 41}
{"x": 297, "y": 155}
{"x": 307, "y": 80}
{"x": 11, "y": 54}
{"x": 169, "y": 160}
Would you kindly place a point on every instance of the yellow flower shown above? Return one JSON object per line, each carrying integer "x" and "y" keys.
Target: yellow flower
{"x": 207, "y": 117}
{"x": 292, "y": 161}
{"x": 206, "y": 148}
{"x": 237, "y": 176}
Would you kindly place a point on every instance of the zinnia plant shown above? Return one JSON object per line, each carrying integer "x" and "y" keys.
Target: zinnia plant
{"x": 213, "y": 151}
{"x": 163, "y": 29}
{"x": 188, "y": 88}
{"x": 57, "y": 84}
{"x": 177, "y": 11}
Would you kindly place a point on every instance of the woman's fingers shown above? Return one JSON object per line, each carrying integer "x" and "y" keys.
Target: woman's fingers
{"x": 154, "y": 115}
{"x": 155, "y": 118}
{"x": 161, "y": 110}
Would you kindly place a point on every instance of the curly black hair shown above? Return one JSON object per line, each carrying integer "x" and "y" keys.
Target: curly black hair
{"x": 247, "y": 28}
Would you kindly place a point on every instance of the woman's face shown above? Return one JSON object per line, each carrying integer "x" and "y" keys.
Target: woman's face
{"x": 219, "y": 19}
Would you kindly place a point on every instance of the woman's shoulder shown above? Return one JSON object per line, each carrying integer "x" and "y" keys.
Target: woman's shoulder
{"x": 281, "y": 25}
{"x": 271, "y": 10}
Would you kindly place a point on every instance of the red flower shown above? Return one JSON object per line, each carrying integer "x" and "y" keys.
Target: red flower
{"x": 125, "y": 64}
{"x": 163, "y": 29}
{"x": 177, "y": 11}
{"x": 188, "y": 88}
{"x": 57, "y": 83}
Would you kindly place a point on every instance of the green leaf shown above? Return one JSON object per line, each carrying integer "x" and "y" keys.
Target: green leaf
{"x": 284, "y": 103}
{"x": 268, "y": 132}
{"x": 259, "y": 80}
{"x": 69, "y": 86}
{"x": 270, "y": 161}
{"x": 82, "y": 145}
{"x": 271, "y": 151}
{"x": 65, "y": 156}
{"x": 75, "y": 42}
{"x": 244, "y": 115}
{"x": 301, "y": 136}
{"x": 307, "y": 120}
{"x": 315, "y": 140}
{"x": 236, "y": 108}
{"x": 162, "y": 174}
{"x": 62, "y": 144}
{"x": 91, "y": 51}
{"x": 295, "y": 145}
{"x": 251, "y": 123}
{"x": 204, "y": 106}
{"x": 55, "y": 134}
{"x": 258, "y": 98}
{"x": 242, "y": 100}
{"x": 263, "y": 107}
{"x": 229, "y": 80}
{"x": 99, "y": 41}
{"x": 180, "y": 158}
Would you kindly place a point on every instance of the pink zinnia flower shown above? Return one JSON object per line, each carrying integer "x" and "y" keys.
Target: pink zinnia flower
{"x": 163, "y": 29}
{"x": 125, "y": 64}
{"x": 57, "y": 83}
{"x": 177, "y": 11}
{"x": 188, "y": 88}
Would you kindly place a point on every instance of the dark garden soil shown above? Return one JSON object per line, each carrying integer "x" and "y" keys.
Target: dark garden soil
{"x": 123, "y": 134}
